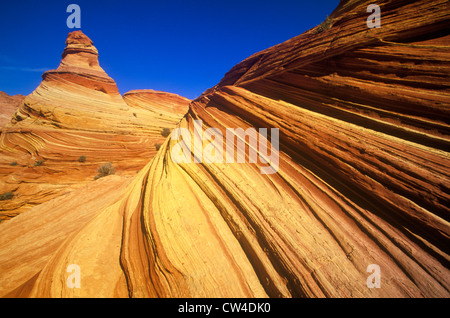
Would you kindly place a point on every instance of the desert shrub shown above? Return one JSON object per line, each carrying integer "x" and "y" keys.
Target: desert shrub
{"x": 134, "y": 114}
{"x": 6, "y": 196}
{"x": 325, "y": 25}
{"x": 82, "y": 159}
{"x": 165, "y": 132}
{"x": 14, "y": 163}
{"x": 39, "y": 163}
{"x": 157, "y": 146}
{"x": 105, "y": 170}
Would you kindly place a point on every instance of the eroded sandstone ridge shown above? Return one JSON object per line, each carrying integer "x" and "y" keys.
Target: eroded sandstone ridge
{"x": 74, "y": 122}
{"x": 163, "y": 109}
{"x": 363, "y": 178}
{"x": 8, "y": 105}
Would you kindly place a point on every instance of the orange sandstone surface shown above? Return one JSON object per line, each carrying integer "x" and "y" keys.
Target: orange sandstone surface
{"x": 363, "y": 178}
{"x": 164, "y": 110}
{"x": 74, "y": 122}
{"x": 8, "y": 105}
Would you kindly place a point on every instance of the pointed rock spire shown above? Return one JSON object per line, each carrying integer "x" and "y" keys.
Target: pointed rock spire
{"x": 80, "y": 51}
{"x": 80, "y": 65}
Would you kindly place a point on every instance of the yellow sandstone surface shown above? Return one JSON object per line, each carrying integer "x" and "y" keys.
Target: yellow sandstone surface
{"x": 74, "y": 122}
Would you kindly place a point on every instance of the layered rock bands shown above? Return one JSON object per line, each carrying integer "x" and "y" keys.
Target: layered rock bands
{"x": 74, "y": 122}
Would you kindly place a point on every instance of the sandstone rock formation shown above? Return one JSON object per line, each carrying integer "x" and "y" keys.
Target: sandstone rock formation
{"x": 163, "y": 110}
{"x": 8, "y": 105}
{"x": 363, "y": 178}
{"x": 75, "y": 121}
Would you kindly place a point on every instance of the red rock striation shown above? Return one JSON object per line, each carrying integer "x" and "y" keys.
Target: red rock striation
{"x": 80, "y": 66}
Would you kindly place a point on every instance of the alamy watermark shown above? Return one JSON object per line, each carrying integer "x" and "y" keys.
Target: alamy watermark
{"x": 74, "y": 279}
{"x": 374, "y": 279}
{"x": 208, "y": 146}
{"x": 373, "y": 20}
{"x": 74, "y": 20}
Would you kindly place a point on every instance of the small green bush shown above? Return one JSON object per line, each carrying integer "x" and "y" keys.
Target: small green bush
{"x": 165, "y": 132}
{"x": 6, "y": 196}
{"x": 105, "y": 170}
{"x": 14, "y": 163}
{"x": 157, "y": 146}
{"x": 325, "y": 25}
{"x": 82, "y": 159}
{"x": 39, "y": 163}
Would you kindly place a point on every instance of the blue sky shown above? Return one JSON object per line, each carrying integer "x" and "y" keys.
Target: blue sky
{"x": 183, "y": 47}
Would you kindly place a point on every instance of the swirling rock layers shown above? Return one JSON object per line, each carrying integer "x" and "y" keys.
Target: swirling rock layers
{"x": 8, "y": 105}
{"x": 75, "y": 121}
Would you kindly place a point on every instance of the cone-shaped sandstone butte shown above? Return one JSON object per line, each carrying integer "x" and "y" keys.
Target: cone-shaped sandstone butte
{"x": 363, "y": 179}
{"x": 75, "y": 121}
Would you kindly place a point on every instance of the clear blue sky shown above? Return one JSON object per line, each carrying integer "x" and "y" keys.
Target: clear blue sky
{"x": 183, "y": 47}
